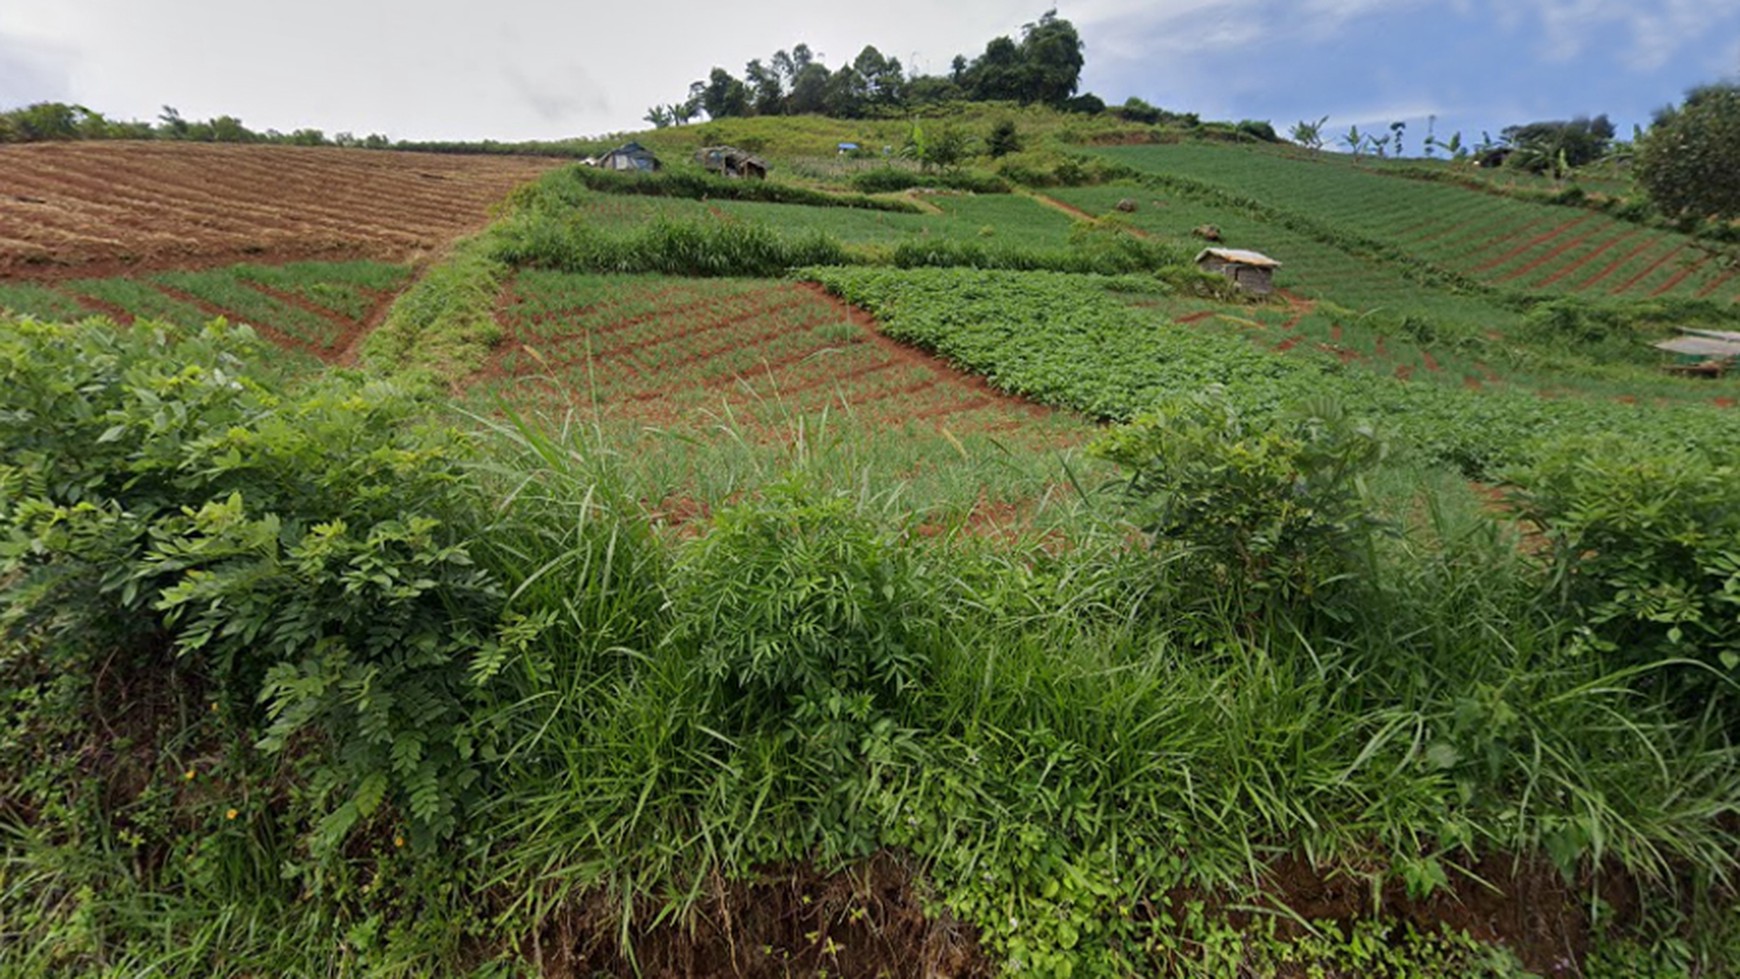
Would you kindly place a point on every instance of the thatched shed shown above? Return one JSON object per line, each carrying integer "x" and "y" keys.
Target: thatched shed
{"x": 731, "y": 162}
{"x": 1254, "y": 272}
{"x": 630, "y": 156}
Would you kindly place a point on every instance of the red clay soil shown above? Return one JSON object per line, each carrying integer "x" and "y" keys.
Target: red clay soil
{"x": 1639, "y": 277}
{"x": 1718, "y": 282}
{"x": 114, "y": 207}
{"x": 868, "y": 920}
{"x": 1680, "y": 276}
{"x": 1551, "y": 254}
{"x": 1405, "y": 372}
{"x": 1594, "y": 253}
{"x": 1616, "y": 264}
{"x": 967, "y": 391}
{"x": 1191, "y": 319}
{"x": 1428, "y": 361}
{"x": 1534, "y": 242}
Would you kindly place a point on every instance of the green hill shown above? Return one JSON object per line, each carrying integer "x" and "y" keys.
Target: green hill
{"x": 685, "y": 576}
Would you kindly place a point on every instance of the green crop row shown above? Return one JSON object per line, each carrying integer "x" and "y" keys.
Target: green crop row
{"x": 1066, "y": 341}
{"x": 1474, "y": 236}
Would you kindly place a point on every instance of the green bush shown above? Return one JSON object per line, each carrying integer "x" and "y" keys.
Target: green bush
{"x": 302, "y": 553}
{"x": 794, "y": 600}
{"x": 888, "y": 180}
{"x": 1266, "y": 514}
{"x": 1645, "y": 556}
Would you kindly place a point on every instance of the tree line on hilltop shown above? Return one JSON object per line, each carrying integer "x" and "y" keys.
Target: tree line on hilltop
{"x": 1043, "y": 67}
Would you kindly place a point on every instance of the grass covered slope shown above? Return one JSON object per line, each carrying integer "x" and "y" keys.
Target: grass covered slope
{"x": 1073, "y": 738}
{"x": 1500, "y": 241}
{"x": 697, "y": 624}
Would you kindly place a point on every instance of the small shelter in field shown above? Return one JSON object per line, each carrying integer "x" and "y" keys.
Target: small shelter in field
{"x": 730, "y": 161}
{"x": 630, "y": 156}
{"x": 1253, "y": 272}
{"x": 1701, "y": 353}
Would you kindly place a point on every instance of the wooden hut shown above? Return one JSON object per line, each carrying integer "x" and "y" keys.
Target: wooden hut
{"x": 731, "y": 162}
{"x": 630, "y": 156}
{"x": 1253, "y": 272}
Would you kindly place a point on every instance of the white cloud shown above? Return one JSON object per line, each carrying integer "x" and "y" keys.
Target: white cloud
{"x": 1659, "y": 29}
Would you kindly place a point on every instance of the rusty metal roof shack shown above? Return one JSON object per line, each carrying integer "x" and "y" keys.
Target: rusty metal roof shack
{"x": 1708, "y": 353}
{"x": 630, "y": 156}
{"x": 1251, "y": 271}
{"x": 731, "y": 162}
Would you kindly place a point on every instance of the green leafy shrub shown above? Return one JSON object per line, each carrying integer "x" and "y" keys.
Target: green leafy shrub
{"x": 797, "y": 599}
{"x": 303, "y": 553}
{"x": 1646, "y": 555}
{"x": 1264, "y": 512}
{"x": 889, "y": 179}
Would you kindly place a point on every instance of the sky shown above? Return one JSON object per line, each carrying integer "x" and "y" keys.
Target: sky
{"x": 546, "y": 69}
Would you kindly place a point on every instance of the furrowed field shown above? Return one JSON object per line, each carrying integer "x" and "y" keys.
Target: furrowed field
{"x": 678, "y": 576}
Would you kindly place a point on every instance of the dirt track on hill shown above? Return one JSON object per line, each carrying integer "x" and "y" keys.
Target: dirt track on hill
{"x": 102, "y": 208}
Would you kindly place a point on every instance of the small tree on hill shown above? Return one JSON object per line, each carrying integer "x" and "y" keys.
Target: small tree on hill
{"x": 1004, "y": 139}
{"x": 1309, "y": 134}
{"x": 1354, "y": 140}
{"x": 1688, "y": 160}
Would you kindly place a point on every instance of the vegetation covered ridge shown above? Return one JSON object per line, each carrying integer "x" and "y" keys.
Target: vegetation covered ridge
{"x": 366, "y": 635}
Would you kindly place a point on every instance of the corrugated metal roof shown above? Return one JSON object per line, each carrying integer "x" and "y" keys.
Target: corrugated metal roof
{"x": 1728, "y": 335}
{"x": 1240, "y": 256}
{"x": 1701, "y": 346}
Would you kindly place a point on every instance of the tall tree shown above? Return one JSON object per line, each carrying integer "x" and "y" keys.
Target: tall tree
{"x": 884, "y": 79}
{"x": 723, "y": 95}
{"x": 766, "y": 90}
{"x": 846, "y": 94}
{"x": 809, "y": 90}
{"x": 996, "y": 74}
{"x": 1688, "y": 160}
{"x": 1051, "y": 52}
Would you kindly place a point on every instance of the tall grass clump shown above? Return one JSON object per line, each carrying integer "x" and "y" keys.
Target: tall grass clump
{"x": 538, "y": 238}
{"x": 700, "y": 185}
{"x": 885, "y": 180}
{"x": 473, "y": 702}
{"x": 443, "y": 326}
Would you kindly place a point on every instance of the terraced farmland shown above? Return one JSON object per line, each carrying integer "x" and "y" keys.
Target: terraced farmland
{"x": 316, "y": 308}
{"x": 88, "y": 209}
{"x": 1495, "y": 239}
{"x": 674, "y": 352}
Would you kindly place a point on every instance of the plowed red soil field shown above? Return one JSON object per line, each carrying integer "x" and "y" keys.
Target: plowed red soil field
{"x": 667, "y": 352}
{"x": 110, "y": 207}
